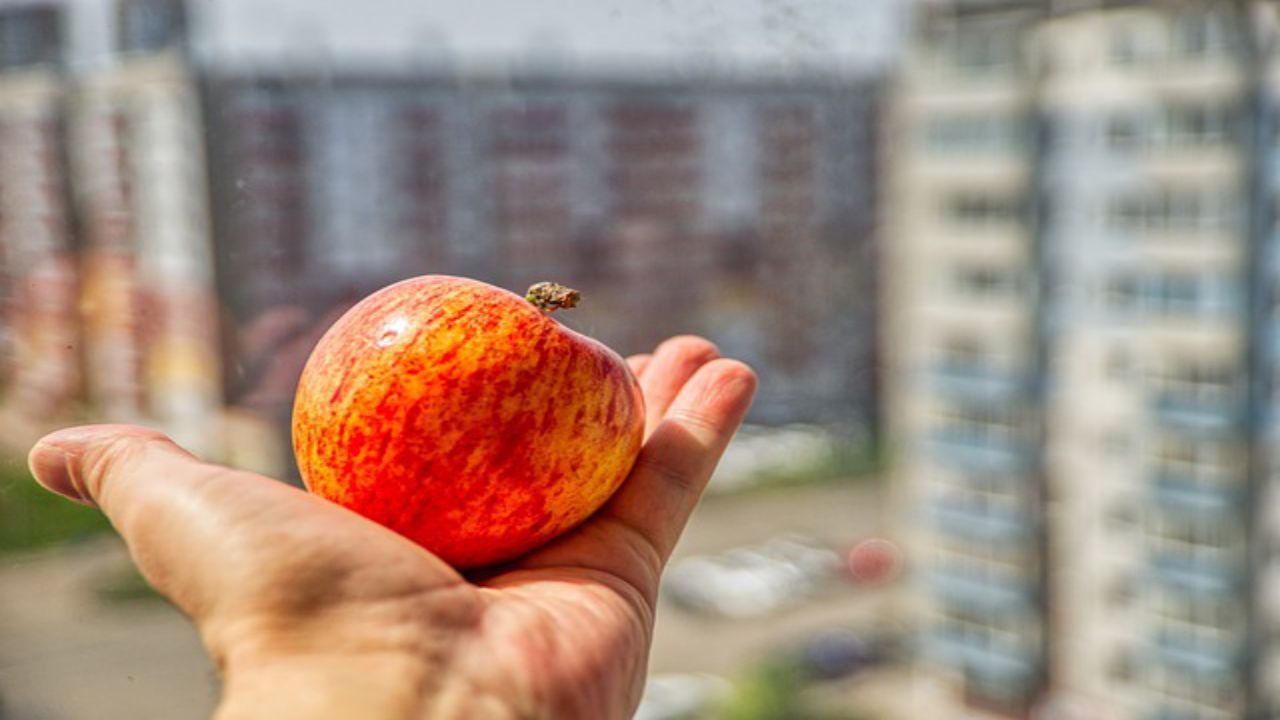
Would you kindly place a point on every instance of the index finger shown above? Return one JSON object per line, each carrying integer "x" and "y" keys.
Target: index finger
{"x": 680, "y": 455}
{"x": 638, "y": 363}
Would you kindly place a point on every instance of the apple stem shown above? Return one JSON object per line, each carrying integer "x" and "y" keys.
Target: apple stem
{"x": 549, "y": 297}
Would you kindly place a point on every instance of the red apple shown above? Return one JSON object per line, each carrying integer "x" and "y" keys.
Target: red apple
{"x": 465, "y": 418}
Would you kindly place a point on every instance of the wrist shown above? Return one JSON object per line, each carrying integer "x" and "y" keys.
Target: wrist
{"x": 382, "y": 685}
{"x": 379, "y": 688}
{"x": 297, "y": 680}
{"x": 384, "y": 665}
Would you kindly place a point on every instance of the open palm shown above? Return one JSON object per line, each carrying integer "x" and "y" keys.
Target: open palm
{"x": 312, "y": 611}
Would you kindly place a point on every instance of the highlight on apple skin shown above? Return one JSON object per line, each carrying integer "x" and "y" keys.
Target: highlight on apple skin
{"x": 465, "y": 417}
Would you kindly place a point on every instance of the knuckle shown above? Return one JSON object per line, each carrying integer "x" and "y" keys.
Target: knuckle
{"x": 690, "y": 349}
{"x": 734, "y": 372}
{"x": 646, "y": 547}
{"x": 111, "y": 456}
{"x": 729, "y": 380}
{"x": 695, "y": 419}
{"x": 686, "y": 480}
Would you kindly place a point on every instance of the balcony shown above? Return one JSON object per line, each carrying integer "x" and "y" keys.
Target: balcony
{"x": 979, "y": 451}
{"x": 977, "y": 382}
{"x": 1166, "y": 711}
{"x": 1188, "y": 495}
{"x": 1202, "y": 658}
{"x": 1196, "y": 576}
{"x": 968, "y": 521}
{"x": 1005, "y": 663}
{"x": 955, "y": 587}
{"x": 1207, "y": 414}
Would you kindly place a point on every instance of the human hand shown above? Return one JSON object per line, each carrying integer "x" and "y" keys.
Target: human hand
{"x": 311, "y": 611}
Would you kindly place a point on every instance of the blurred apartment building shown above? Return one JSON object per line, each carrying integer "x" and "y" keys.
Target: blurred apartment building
{"x": 1084, "y": 259}
{"x": 105, "y": 263}
{"x": 204, "y": 219}
{"x": 728, "y": 208}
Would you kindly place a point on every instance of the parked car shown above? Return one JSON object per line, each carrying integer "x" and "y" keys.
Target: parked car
{"x": 838, "y": 653}
{"x": 682, "y": 697}
{"x": 753, "y": 581}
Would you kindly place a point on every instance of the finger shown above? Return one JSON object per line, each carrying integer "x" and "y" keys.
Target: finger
{"x": 75, "y": 462}
{"x": 205, "y": 536}
{"x": 638, "y": 363}
{"x": 677, "y": 461}
{"x": 673, "y": 363}
{"x": 170, "y": 508}
{"x": 631, "y": 538}
{"x": 255, "y": 563}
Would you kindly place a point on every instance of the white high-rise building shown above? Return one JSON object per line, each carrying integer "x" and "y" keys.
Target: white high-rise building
{"x": 1083, "y": 265}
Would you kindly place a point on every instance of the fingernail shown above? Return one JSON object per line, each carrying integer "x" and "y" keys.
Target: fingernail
{"x": 48, "y": 463}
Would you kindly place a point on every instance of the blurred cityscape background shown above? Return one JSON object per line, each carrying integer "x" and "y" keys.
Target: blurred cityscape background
{"x": 1009, "y": 271}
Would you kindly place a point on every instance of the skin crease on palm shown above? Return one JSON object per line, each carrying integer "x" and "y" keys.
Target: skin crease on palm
{"x": 311, "y": 611}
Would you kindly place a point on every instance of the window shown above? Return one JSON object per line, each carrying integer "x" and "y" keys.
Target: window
{"x": 149, "y": 25}
{"x": 1121, "y": 292}
{"x": 1195, "y": 466}
{"x": 1121, "y": 667}
{"x": 1122, "y": 592}
{"x": 1002, "y": 485}
{"x": 29, "y": 36}
{"x": 1176, "y": 125}
{"x": 1124, "y": 48}
{"x": 983, "y": 210}
{"x": 1198, "y": 376}
{"x": 1122, "y": 132}
{"x": 1202, "y": 33}
{"x": 1219, "y": 613}
{"x": 1172, "y": 293}
{"x": 1176, "y": 293}
{"x": 1122, "y": 517}
{"x": 1195, "y": 125}
{"x": 1205, "y": 459}
{"x": 978, "y": 50}
{"x": 963, "y": 352}
{"x": 1171, "y": 209}
{"x": 1116, "y": 443}
{"x": 981, "y": 423}
{"x": 985, "y": 282}
{"x": 997, "y": 499}
{"x": 996, "y": 563}
{"x": 1119, "y": 364}
{"x": 1127, "y": 213}
{"x": 984, "y": 629}
{"x": 1189, "y": 294}
{"x": 1174, "y": 535}
{"x": 974, "y": 133}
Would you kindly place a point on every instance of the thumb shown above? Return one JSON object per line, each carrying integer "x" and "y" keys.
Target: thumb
{"x": 212, "y": 538}
{"x": 93, "y": 464}
{"x": 157, "y": 496}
